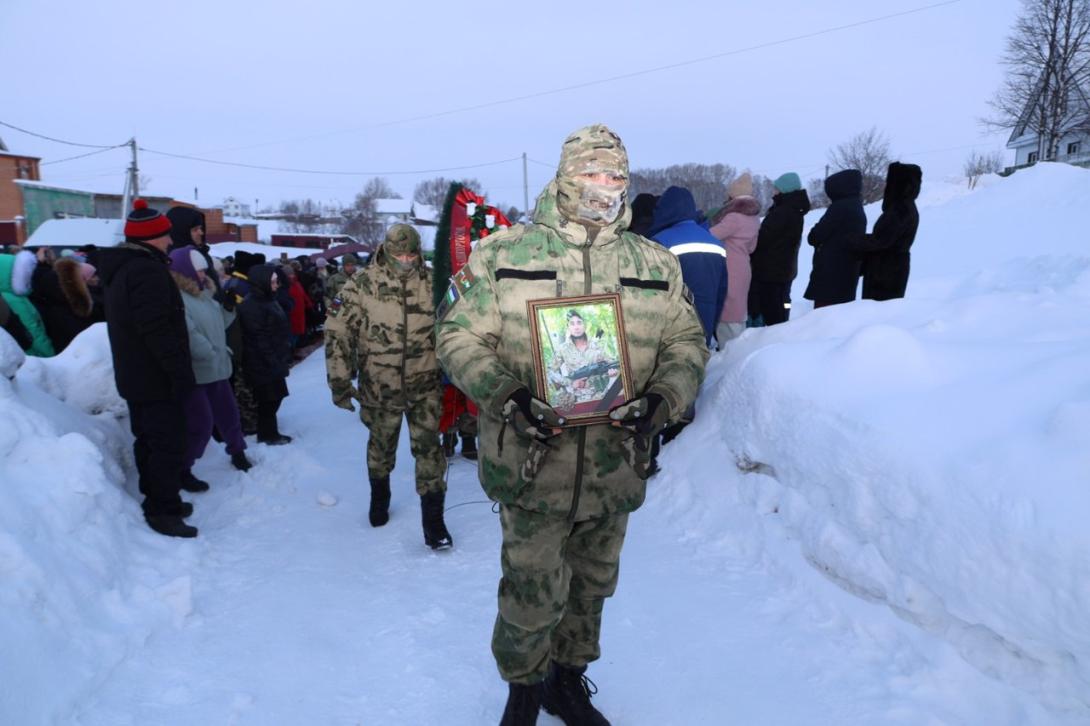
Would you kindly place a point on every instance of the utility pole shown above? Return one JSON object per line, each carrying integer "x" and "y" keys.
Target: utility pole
{"x": 134, "y": 170}
{"x": 525, "y": 191}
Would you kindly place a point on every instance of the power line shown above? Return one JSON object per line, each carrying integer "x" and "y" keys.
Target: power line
{"x": 329, "y": 172}
{"x": 81, "y": 156}
{"x": 104, "y": 147}
{"x": 610, "y": 79}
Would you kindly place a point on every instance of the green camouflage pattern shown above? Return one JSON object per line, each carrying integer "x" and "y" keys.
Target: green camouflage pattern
{"x": 556, "y": 577}
{"x": 334, "y": 285}
{"x": 484, "y": 345}
{"x": 380, "y": 332}
{"x": 384, "y": 430}
{"x": 592, "y": 149}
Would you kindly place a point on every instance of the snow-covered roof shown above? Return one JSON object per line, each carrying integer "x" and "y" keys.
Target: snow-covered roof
{"x": 393, "y": 206}
{"x": 227, "y": 249}
{"x": 425, "y": 212}
{"x": 77, "y": 232}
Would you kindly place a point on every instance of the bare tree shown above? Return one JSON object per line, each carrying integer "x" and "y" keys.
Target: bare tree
{"x": 433, "y": 192}
{"x": 979, "y": 164}
{"x": 707, "y": 182}
{"x": 1048, "y": 68}
{"x": 361, "y": 219}
{"x": 869, "y": 153}
{"x": 815, "y": 189}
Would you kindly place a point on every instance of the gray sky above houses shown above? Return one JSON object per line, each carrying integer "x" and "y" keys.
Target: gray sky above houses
{"x": 338, "y": 85}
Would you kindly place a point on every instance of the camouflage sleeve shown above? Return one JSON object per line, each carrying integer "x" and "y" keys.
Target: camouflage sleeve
{"x": 467, "y": 336}
{"x": 344, "y": 321}
{"x": 683, "y": 351}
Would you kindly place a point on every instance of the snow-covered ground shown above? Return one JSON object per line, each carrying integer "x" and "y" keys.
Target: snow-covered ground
{"x": 877, "y": 518}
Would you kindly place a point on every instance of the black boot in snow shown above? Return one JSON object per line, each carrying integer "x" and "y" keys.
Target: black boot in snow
{"x": 171, "y": 525}
{"x": 566, "y": 694}
{"x": 191, "y": 483}
{"x": 379, "y": 514}
{"x": 469, "y": 447}
{"x": 523, "y": 703}
{"x": 436, "y": 535}
{"x": 240, "y": 462}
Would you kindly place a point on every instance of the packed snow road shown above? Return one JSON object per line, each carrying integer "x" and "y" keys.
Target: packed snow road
{"x": 290, "y": 609}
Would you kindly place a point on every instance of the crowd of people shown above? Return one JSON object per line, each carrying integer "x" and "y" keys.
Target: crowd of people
{"x": 202, "y": 349}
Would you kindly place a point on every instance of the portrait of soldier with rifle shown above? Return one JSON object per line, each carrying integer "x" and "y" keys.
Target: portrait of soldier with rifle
{"x": 581, "y": 368}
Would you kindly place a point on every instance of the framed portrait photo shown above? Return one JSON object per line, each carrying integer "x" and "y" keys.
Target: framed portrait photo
{"x": 580, "y": 355}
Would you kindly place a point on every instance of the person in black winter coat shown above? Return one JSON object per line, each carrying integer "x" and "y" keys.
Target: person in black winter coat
{"x": 775, "y": 262}
{"x": 145, "y": 320}
{"x": 886, "y": 261}
{"x": 837, "y": 240}
{"x": 266, "y": 334}
{"x": 60, "y": 292}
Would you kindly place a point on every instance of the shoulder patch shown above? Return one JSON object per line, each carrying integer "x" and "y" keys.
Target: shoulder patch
{"x": 688, "y": 295}
{"x": 335, "y": 305}
{"x": 460, "y": 284}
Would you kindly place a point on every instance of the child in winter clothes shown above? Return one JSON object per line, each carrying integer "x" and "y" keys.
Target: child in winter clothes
{"x": 211, "y": 402}
{"x": 16, "y": 273}
{"x": 266, "y": 335}
{"x": 737, "y": 229}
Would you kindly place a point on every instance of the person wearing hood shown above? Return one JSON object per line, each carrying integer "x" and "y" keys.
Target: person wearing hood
{"x": 676, "y": 227}
{"x": 643, "y": 214}
{"x": 837, "y": 240}
{"x": 62, "y": 295}
{"x": 211, "y": 403}
{"x": 145, "y": 321}
{"x": 736, "y": 227}
{"x": 775, "y": 262}
{"x": 380, "y": 333}
{"x": 886, "y": 259}
{"x": 266, "y": 350}
{"x": 565, "y": 492}
{"x": 187, "y": 229}
{"x": 16, "y": 286}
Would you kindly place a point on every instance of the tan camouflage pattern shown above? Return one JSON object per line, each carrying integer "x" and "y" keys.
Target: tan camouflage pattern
{"x": 592, "y": 149}
{"x": 334, "y": 285}
{"x": 556, "y": 577}
{"x": 484, "y": 345}
{"x": 380, "y": 351}
{"x": 384, "y": 430}
{"x": 569, "y": 357}
{"x": 402, "y": 239}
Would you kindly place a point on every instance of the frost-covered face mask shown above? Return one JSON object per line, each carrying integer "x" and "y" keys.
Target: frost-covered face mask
{"x": 594, "y": 196}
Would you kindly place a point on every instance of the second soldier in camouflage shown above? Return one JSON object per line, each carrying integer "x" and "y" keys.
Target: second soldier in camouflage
{"x": 380, "y": 333}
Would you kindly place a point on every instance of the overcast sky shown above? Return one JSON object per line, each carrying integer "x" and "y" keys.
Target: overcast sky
{"x": 341, "y": 86}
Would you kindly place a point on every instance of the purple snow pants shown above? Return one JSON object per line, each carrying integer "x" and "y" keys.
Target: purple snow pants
{"x": 208, "y": 405}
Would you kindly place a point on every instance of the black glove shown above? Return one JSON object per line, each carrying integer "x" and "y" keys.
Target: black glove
{"x": 646, "y": 416}
{"x": 530, "y": 416}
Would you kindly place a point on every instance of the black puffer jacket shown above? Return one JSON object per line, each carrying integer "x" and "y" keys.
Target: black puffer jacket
{"x": 776, "y": 258}
{"x": 266, "y": 331}
{"x": 145, "y": 320}
{"x": 837, "y": 239}
{"x": 886, "y": 261}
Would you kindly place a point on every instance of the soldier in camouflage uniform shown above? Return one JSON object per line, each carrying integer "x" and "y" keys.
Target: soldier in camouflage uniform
{"x": 381, "y": 332}
{"x": 350, "y": 265}
{"x": 565, "y": 493}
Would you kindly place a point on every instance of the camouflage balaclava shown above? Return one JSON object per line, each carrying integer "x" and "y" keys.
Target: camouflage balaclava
{"x": 592, "y": 149}
{"x": 402, "y": 239}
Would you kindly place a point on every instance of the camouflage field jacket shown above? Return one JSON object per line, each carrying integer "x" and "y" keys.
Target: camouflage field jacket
{"x": 380, "y": 330}
{"x": 483, "y": 340}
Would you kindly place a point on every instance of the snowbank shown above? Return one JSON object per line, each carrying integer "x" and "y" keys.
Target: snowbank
{"x": 931, "y": 453}
{"x": 75, "y": 557}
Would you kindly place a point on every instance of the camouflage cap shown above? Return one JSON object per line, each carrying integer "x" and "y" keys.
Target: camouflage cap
{"x": 402, "y": 239}
{"x": 350, "y": 259}
{"x": 592, "y": 148}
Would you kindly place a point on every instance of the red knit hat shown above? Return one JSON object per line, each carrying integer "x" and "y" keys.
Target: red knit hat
{"x": 145, "y": 223}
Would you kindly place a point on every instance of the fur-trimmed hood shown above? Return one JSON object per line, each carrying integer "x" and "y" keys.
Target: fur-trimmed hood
{"x": 746, "y": 205}
{"x": 73, "y": 287}
{"x": 16, "y": 272}
{"x": 190, "y": 286}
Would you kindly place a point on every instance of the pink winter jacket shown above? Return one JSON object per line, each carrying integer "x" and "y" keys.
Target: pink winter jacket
{"x": 737, "y": 230}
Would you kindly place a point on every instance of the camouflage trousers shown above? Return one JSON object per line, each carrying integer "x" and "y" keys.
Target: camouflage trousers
{"x": 247, "y": 404}
{"x": 556, "y": 577}
{"x": 384, "y": 430}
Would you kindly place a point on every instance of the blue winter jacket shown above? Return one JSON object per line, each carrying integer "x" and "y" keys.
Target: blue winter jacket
{"x": 702, "y": 256}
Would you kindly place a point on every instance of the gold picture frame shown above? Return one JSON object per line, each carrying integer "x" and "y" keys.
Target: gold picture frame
{"x": 580, "y": 355}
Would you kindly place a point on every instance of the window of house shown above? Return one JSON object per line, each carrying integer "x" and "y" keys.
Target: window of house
{"x": 1032, "y": 157}
{"x": 1073, "y": 148}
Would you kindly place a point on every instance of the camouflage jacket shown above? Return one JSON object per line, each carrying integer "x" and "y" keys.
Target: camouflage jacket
{"x": 484, "y": 346}
{"x": 333, "y": 286}
{"x": 381, "y": 330}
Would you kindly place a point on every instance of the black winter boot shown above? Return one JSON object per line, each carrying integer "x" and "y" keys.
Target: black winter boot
{"x": 192, "y": 484}
{"x": 379, "y": 514}
{"x": 436, "y": 535}
{"x": 240, "y": 462}
{"x": 523, "y": 703}
{"x": 469, "y": 447}
{"x": 171, "y": 525}
{"x": 566, "y": 694}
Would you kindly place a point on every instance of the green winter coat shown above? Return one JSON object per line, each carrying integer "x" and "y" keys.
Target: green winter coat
{"x": 380, "y": 329}
{"x": 484, "y": 346}
{"x": 15, "y": 287}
